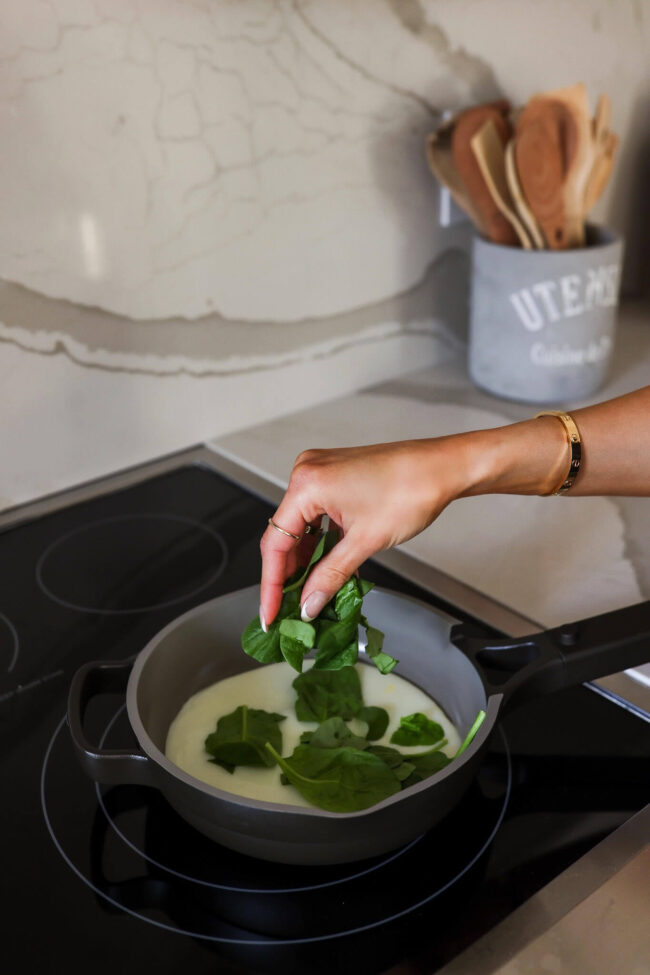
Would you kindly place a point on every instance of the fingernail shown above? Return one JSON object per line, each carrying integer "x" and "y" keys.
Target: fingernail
{"x": 312, "y": 606}
{"x": 263, "y": 621}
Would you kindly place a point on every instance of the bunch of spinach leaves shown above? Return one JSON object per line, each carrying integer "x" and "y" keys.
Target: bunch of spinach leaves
{"x": 339, "y": 771}
{"x": 334, "y": 633}
{"x": 332, "y": 767}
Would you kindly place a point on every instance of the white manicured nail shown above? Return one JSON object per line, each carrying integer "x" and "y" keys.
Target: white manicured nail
{"x": 263, "y": 621}
{"x": 312, "y": 606}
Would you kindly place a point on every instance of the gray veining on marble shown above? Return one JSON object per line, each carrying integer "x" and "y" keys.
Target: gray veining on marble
{"x": 476, "y": 71}
{"x": 230, "y": 136}
{"x": 214, "y": 345}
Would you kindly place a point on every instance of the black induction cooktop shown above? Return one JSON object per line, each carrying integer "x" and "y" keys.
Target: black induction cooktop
{"x": 111, "y": 879}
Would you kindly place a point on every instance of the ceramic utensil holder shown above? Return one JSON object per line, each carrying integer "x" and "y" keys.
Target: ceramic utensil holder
{"x": 542, "y": 323}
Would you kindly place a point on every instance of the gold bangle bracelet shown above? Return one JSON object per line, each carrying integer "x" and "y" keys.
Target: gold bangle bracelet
{"x": 575, "y": 446}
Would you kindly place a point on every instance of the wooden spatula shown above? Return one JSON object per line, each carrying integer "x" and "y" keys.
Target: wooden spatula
{"x": 489, "y": 152}
{"x": 467, "y": 124}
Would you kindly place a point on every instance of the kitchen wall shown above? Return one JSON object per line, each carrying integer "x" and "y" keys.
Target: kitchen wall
{"x": 216, "y": 212}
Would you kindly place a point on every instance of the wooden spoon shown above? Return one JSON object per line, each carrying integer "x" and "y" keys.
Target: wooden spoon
{"x": 518, "y": 197}
{"x": 489, "y": 152}
{"x": 545, "y": 147}
{"x": 467, "y": 124}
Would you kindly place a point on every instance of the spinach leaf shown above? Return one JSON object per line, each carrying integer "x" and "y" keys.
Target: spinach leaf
{"x": 469, "y": 738}
{"x": 376, "y": 719}
{"x": 240, "y": 738}
{"x": 324, "y": 694}
{"x": 392, "y": 756}
{"x": 426, "y": 764}
{"x": 328, "y": 694}
{"x": 294, "y": 577}
{"x": 374, "y": 643}
{"x": 400, "y": 764}
{"x": 337, "y": 657}
{"x": 335, "y": 660}
{"x": 296, "y": 639}
{"x": 334, "y": 733}
{"x": 327, "y": 613}
{"x": 365, "y": 586}
{"x": 338, "y": 643}
{"x": 417, "y": 729}
{"x": 348, "y": 600}
{"x": 338, "y": 779}
{"x": 325, "y": 544}
{"x": 265, "y": 647}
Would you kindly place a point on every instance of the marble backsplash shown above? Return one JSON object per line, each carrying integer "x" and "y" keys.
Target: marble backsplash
{"x": 216, "y": 212}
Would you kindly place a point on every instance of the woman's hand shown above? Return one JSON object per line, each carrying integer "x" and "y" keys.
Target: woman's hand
{"x": 377, "y": 496}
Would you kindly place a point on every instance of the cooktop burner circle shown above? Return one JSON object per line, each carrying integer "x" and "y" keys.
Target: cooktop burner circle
{"x": 9, "y": 643}
{"x": 214, "y": 894}
{"x": 131, "y": 563}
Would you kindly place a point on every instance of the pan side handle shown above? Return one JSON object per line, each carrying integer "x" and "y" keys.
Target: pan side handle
{"x": 109, "y": 766}
{"x": 551, "y": 660}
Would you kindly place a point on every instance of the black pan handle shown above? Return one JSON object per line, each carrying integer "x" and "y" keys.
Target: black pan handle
{"x": 551, "y": 660}
{"x": 110, "y": 766}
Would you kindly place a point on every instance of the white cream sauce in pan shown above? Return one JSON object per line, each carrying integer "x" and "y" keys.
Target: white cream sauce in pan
{"x": 269, "y": 688}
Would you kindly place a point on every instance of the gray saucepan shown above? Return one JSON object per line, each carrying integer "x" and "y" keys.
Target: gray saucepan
{"x": 455, "y": 664}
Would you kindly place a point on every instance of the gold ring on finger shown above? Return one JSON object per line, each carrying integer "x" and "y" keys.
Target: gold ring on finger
{"x": 284, "y": 531}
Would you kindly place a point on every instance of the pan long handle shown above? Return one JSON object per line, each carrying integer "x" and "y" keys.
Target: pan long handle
{"x": 550, "y": 660}
{"x": 110, "y": 766}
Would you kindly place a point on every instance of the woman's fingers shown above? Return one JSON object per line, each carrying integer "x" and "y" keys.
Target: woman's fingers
{"x": 275, "y": 570}
{"x": 280, "y": 551}
{"x": 327, "y": 577}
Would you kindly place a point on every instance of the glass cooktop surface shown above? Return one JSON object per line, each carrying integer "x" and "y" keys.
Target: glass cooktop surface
{"x": 111, "y": 879}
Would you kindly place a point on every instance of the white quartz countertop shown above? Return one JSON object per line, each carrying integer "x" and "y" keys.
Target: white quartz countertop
{"x": 550, "y": 559}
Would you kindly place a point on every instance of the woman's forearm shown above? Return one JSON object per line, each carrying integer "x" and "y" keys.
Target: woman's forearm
{"x": 531, "y": 457}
